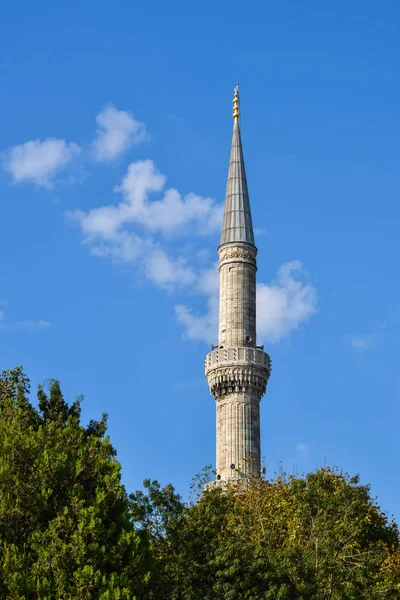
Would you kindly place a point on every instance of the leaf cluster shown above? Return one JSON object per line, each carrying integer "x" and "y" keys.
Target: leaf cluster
{"x": 313, "y": 537}
{"x": 65, "y": 525}
{"x": 68, "y": 529}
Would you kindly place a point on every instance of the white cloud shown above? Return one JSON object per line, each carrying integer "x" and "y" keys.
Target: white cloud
{"x": 123, "y": 247}
{"x": 167, "y": 216}
{"x": 107, "y": 230}
{"x": 39, "y": 162}
{"x": 208, "y": 281}
{"x": 116, "y": 131}
{"x": 202, "y": 327}
{"x": 199, "y": 327}
{"x": 25, "y": 325}
{"x": 285, "y": 303}
{"x": 172, "y": 212}
{"x": 363, "y": 342}
{"x": 138, "y": 229}
{"x": 303, "y": 448}
{"x": 167, "y": 273}
{"x": 281, "y": 306}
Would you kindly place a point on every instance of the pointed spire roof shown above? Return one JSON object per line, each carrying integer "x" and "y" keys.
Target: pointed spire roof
{"x": 237, "y": 225}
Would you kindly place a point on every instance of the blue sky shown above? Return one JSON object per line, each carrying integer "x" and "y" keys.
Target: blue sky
{"x": 115, "y": 135}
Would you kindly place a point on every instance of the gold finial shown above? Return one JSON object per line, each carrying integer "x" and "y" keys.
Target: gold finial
{"x": 236, "y": 103}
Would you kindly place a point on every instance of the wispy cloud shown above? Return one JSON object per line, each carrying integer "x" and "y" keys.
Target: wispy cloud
{"x": 138, "y": 230}
{"x": 303, "y": 449}
{"x": 116, "y": 131}
{"x": 169, "y": 215}
{"x": 199, "y": 327}
{"x": 282, "y": 305}
{"x": 167, "y": 273}
{"x": 39, "y": 162}
{"x": 146, "y": 225}
{"x": 203, "y": 327}
{"x": 29, "y": 325}
{"x": 285, "y": 303}
{"x": 25, "y": 325}
{"x": 259, "y": 231}
{"x": 107, "y": 230}
{"x": 363, "y": 342}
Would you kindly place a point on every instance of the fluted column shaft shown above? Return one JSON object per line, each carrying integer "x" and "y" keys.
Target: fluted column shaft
{"x": 238, "y": 436}
{"x": 238, "y": 414}
{"x": 237, "y": 296}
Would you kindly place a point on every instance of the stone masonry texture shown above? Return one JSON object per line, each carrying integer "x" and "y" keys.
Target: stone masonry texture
{"x": 237, "y": 370}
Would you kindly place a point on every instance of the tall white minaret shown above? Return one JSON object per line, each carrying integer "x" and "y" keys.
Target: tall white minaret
{"x": 237, "y": 369}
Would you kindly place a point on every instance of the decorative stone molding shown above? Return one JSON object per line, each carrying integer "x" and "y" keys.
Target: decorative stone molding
{"x": 237, "y": 355}
{"x": 237, "y": 369}
{"x": 237, "y": 252}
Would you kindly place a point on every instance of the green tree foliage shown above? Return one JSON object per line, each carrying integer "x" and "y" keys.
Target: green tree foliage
{"x": 68, "y": 530}
{"x": 316, "y": 537}
{"x": 65, "y": 525}
{"x": 160, "y": 514}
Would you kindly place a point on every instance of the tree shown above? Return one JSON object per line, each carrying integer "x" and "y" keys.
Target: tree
{"x": 68, "y": 529}
{"x": 182, "y": 536}
{"x": 160, "y": 514}
{"x": 65, "y": 525}
{"x": 315, "y": 537}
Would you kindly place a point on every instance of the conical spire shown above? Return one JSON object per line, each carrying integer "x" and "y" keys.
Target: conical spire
{"x": 237, "y": 224}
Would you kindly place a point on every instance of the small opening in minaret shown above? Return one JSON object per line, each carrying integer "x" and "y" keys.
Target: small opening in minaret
{"x": 247, "y": 338}
{"x": 220, "y": 347}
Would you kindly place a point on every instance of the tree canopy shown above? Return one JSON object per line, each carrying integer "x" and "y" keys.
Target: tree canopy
{"x": 65, "y": 526}
{"x": 313, "y": 537}
{"x": 68, "y": 529}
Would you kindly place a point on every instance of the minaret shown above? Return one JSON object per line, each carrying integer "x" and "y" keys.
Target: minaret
{"x": 237, "y": 369}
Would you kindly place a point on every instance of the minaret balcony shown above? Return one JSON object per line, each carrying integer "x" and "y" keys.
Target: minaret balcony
{"x": 237, "y": 369}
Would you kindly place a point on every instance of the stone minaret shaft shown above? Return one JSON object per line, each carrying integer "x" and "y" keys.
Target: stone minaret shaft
{"x": 237, "y": 370}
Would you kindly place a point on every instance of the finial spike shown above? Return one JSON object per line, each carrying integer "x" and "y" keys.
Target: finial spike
{"x": 236, "y": 104}
{"x": 237, "y": 224}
